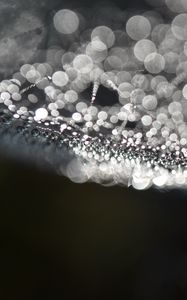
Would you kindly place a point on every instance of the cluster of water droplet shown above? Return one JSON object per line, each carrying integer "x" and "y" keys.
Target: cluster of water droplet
{"x": 139, "y": 140}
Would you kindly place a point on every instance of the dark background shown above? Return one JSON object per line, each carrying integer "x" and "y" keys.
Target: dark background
{"x": 60, "y": 240}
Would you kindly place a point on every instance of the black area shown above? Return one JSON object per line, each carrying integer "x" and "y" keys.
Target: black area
{"x": 131, "y": 125}
{"x": 105, "y": 96}
{"x": 60, "y": 240}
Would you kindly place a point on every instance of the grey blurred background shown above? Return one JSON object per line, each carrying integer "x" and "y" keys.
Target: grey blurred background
{"x": 60, "y": 240}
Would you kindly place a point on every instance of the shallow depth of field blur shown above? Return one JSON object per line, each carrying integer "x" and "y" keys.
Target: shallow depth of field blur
{"x": 61, "y": 240}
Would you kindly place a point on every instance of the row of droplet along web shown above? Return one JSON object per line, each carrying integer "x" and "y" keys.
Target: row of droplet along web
{"x": 139, "y": 139}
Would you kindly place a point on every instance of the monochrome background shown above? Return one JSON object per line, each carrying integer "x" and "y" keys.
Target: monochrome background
{"x": 60, "y": 240}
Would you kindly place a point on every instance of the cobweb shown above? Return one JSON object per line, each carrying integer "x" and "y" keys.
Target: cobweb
{"x": 135, "y": 135}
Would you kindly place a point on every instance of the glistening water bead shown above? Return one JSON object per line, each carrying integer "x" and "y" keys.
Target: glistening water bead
{"x": 53, "y": 109}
